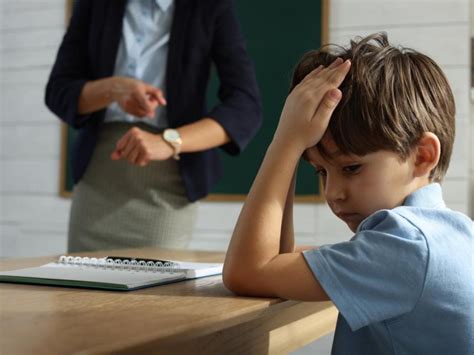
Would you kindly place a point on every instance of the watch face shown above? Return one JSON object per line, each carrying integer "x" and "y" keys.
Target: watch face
{"x": 171, "y": 135}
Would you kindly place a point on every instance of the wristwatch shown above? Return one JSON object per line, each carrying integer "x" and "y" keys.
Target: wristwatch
{"x": 173, "y": 138}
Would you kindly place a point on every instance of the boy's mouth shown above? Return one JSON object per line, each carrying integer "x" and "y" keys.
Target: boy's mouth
{"x": 348, "y": 217}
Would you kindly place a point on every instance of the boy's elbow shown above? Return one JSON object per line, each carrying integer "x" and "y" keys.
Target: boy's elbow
{"x": 245, "y": 282}
{"x": 235, "y": 280}
{"x": 230, "y": 278}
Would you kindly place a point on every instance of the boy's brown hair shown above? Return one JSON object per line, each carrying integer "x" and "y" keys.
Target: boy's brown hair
{"x": 390, "y": 97}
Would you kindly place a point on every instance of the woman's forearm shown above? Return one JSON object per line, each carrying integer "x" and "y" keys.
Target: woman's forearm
{"x": 96, "y": 95}
{"x": 202, "y": 135}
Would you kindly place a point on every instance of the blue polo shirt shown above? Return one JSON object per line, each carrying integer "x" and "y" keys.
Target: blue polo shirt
{"x": 404, "y": 284}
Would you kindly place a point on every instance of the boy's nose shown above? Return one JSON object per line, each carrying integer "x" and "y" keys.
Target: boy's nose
{"x": 335, "y": 190}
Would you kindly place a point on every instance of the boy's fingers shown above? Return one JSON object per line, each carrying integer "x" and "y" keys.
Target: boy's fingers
{"x": 334, "y": 95}
{"x": 334, "y": 74}
{"x": 337, "y": 77}
{"x": 315, "y": 73}
{"x": 311, "y": 75}
{"x": 334, "y": 77}
{"x": 328, "y": 104}
{"x": 335, "y": 63}
{"x": 338, "y": 61}
{"x": 317, "y": 70}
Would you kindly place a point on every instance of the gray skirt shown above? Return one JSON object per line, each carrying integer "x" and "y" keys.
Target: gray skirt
{"x": 119, "y": 205}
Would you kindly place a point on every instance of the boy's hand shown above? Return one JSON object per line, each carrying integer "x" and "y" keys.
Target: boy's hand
{"x": 309, "y": 107}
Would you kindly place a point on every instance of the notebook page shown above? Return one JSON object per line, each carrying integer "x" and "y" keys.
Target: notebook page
{"x": 88, "y": 274}
{"x": 195, "y": 269}
{"x": 192, "y": 269}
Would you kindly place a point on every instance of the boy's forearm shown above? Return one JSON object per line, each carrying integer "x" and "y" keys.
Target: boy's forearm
{"x": 253, "y": 264}
{"x": 256, "y": 237}
{"x": 287, "y": 238}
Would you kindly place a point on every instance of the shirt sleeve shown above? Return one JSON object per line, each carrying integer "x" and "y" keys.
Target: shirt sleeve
{"x": 378, "y": 275}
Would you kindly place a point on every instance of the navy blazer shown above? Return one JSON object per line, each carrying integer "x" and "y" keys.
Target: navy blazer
{"x": 203, "y": 31}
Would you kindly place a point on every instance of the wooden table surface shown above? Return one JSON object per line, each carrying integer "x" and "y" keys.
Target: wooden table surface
{"x": 196, "y": 316}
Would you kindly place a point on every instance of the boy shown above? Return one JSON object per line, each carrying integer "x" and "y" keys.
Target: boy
{"x": 377, "y": 124}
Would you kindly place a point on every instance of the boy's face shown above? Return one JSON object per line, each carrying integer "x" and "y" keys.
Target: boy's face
{"x": 357, "y": 186}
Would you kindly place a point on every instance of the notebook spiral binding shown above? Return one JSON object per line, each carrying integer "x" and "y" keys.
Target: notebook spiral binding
{"x": 119, "y": 264}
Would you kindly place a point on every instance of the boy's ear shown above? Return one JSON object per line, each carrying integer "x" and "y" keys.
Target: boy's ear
{"x": 427, "y": 152}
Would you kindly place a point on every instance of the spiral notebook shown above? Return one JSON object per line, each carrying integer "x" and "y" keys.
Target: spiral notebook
{"x": 110, "y": 273}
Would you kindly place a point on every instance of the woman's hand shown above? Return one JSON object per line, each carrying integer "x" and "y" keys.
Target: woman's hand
{"x": 309, "y": 106}
{"x": 140, "y": 147}
{"x": 136, "y": 97}
{"x": 133, "y": 96}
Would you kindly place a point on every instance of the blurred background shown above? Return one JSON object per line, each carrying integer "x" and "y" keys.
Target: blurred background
{"x": 33, "y": 217}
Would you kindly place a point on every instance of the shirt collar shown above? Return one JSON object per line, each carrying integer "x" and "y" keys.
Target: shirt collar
{"x": 428, "y": 196}
{"x": 164, "y": 4}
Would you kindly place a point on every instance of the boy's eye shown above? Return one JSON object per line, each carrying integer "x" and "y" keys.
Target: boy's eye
{"x": 320, "y": 171}
{"x": 352, "y": 169}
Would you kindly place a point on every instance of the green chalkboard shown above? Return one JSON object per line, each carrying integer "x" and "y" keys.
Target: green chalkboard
{"x": 278, "y": 33}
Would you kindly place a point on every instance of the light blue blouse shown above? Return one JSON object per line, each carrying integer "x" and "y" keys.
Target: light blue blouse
{"x": 143, "y": 52}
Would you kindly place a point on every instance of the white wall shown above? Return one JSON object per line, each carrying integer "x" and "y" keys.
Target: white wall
{"x": 33, "y": 219}
{"x": 471, "y": 171}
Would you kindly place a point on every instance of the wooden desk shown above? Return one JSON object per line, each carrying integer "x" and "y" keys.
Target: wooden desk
{"x": 196, "y": 317}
